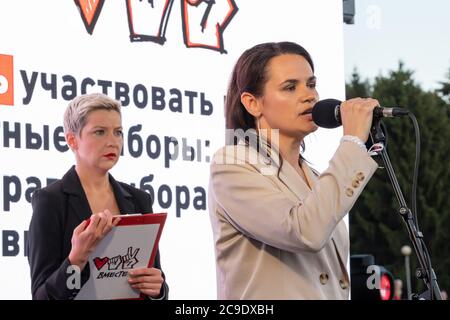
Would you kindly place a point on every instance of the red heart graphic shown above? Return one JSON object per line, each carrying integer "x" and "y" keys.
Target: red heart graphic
{"x": 100, "y": 262}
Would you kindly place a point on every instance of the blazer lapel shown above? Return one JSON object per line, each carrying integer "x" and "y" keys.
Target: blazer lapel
{"x": 296, "y": 184}
{"x": 268, "y": 164}
{"x": 78, "y": 202}
{"x": 123, "y": 197}
{"x": 292, "y": 180}
{"x": 77, "y": 199}
{"x": 299, "y": 189}
{"x": 339, "y": 233}
{"x": 311, "y": 176}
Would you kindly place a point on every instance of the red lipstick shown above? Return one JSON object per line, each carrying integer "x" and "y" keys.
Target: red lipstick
{"x": 110, "y": 155}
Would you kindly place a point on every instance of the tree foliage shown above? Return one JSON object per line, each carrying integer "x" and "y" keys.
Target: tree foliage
{"x": 375, "y": 225}
{"x": 444, "y": 90}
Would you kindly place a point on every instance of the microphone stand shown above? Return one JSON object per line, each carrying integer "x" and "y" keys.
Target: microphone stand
{"x": 425, "y": 271}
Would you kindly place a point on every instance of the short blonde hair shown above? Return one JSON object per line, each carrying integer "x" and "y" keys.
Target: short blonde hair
{"x": 79, "y": 108}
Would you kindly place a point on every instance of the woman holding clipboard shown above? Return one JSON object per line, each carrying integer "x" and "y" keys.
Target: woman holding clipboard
{"x": 60, "y": 237}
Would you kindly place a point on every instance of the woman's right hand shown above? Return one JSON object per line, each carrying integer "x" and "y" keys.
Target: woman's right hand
{"x": 85, "y": 239}
{"x": 356, "y": 116}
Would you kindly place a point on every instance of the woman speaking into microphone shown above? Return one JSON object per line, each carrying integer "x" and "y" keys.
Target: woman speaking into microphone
{"x": 278, "y": 226}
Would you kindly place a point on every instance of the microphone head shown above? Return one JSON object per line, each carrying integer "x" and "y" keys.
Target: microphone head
{"x": 324, "y": 113}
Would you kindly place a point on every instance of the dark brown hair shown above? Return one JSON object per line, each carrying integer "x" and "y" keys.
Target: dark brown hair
{"x": 250, "y": 75}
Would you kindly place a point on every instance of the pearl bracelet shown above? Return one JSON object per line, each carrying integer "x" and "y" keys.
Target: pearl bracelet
{"x": 356, "y": 140}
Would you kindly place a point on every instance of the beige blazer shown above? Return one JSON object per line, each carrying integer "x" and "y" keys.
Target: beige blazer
{"x": 275, "y": 238}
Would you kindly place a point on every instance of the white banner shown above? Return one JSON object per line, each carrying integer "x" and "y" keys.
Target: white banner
{"x": 169, "y": 63}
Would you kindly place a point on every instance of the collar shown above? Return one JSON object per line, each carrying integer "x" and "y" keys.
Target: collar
{"x": 71, "y": 185}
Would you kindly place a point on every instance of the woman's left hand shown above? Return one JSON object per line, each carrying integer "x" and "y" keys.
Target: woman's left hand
{"x": 147, "y": 280}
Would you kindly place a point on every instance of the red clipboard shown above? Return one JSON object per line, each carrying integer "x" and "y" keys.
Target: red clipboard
{"x": 110, "y": 261}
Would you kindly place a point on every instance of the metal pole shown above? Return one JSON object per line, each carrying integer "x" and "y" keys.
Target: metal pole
{"x": 406, "y": 251}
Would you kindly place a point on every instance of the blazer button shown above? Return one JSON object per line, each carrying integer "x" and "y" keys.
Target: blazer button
{"x": 355, "y": 183}
{"x": 343, "y": 284}
{"x": 323, "y": 278}
{"x": 360, "y": 176}
{"x": 267, "y": 161}
{"x": 349, "y": 192}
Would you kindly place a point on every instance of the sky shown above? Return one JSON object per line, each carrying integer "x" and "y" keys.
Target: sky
{"x": 387, "y": 31}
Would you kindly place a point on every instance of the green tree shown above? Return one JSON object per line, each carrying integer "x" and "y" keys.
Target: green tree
{"x": 444, "y": 90}
{"x": 356, "y": 87}
{"x": 375, "y": 225}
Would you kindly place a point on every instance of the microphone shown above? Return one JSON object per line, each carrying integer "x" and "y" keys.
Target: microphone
{"x": 326, "y": 113}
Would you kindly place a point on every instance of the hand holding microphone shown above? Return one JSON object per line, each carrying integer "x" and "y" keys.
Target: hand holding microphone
{"x": 356, "y": 115}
